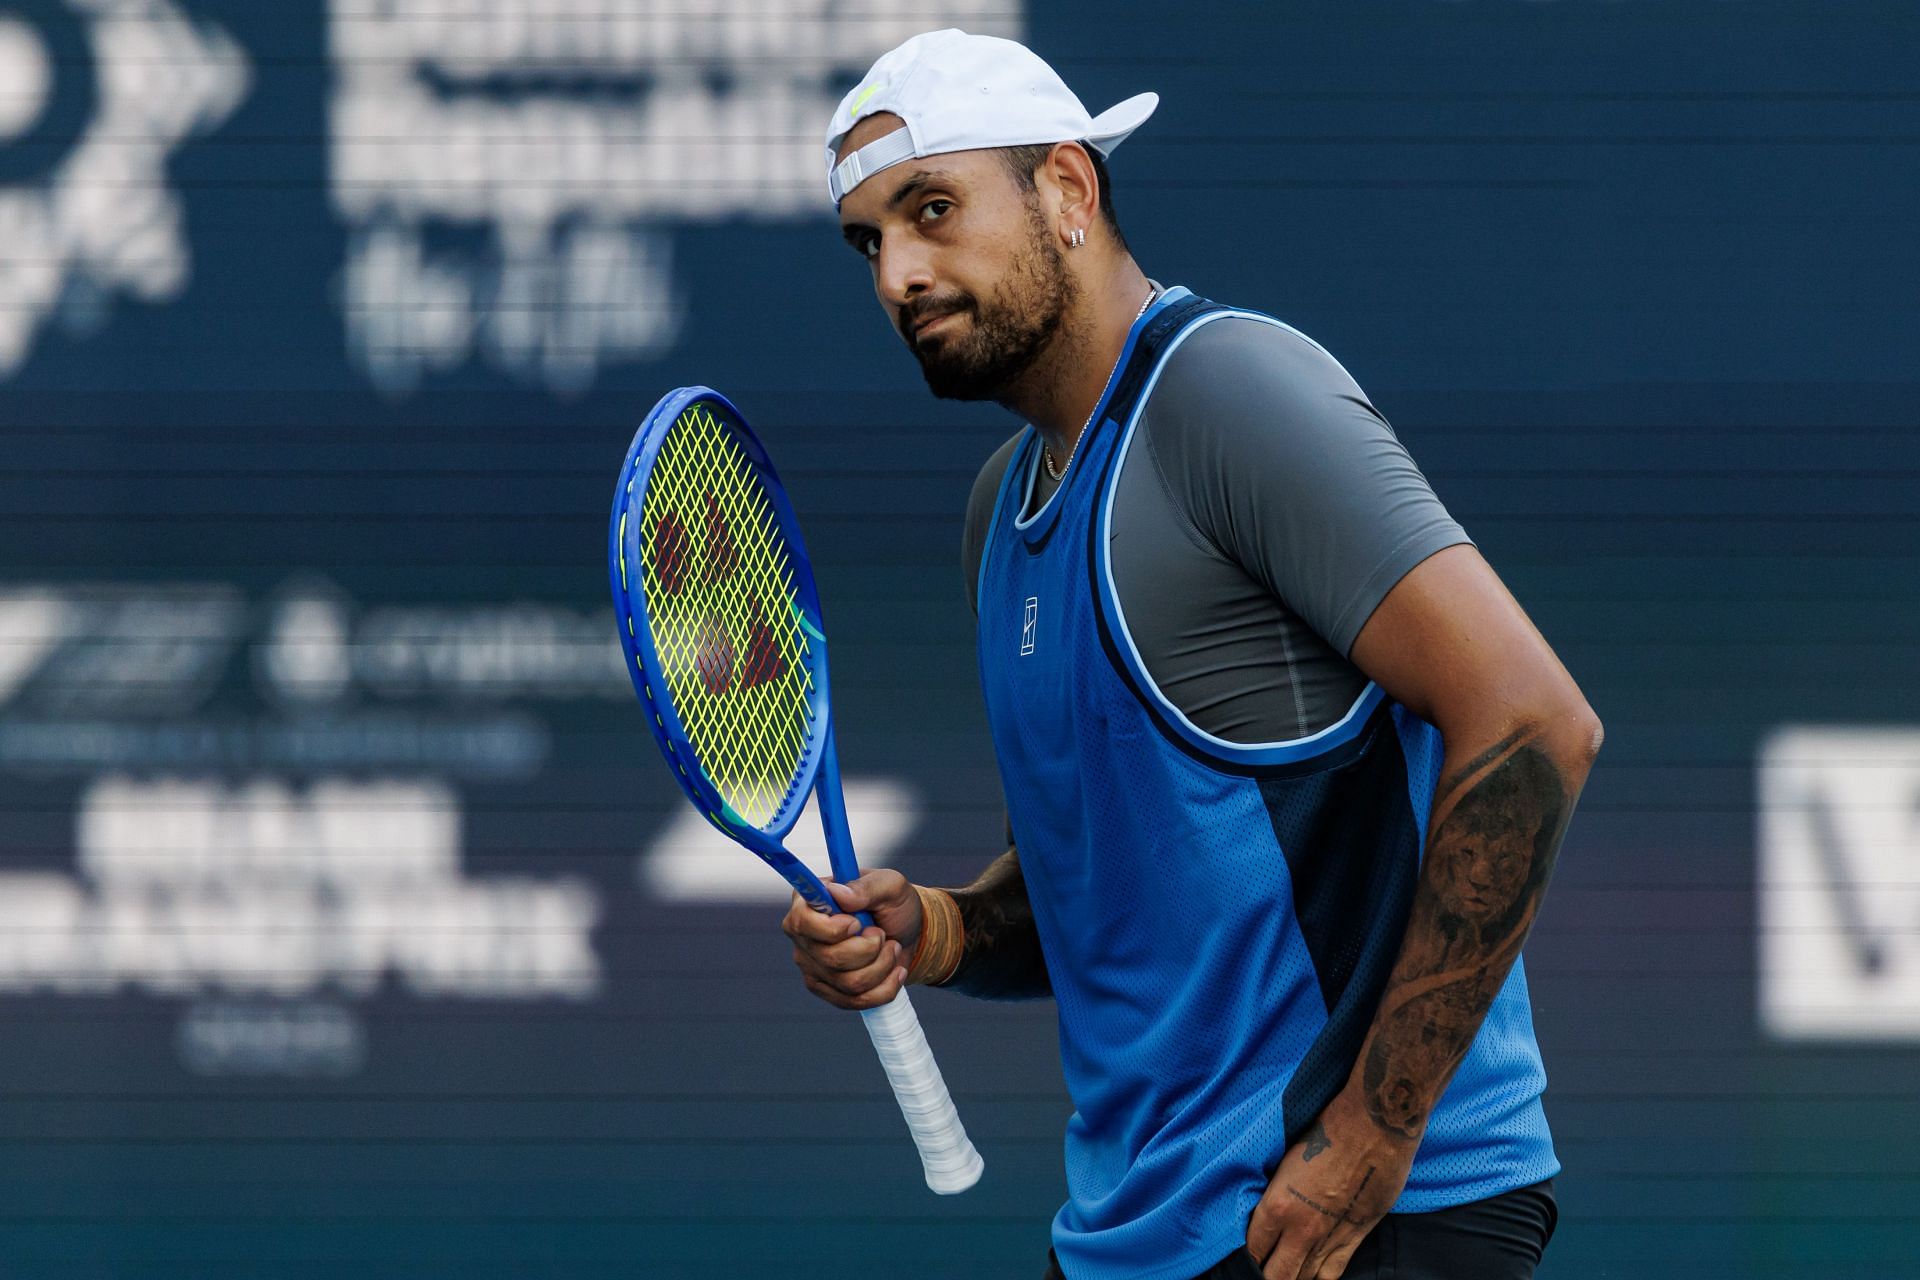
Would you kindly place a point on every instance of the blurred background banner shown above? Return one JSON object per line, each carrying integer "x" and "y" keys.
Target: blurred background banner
{"x": 349, "y": 924}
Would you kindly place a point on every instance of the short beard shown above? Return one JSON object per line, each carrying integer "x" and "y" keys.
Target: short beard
{"x": 1008, "y": 336}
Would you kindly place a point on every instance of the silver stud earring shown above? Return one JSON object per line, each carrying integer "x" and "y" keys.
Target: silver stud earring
{"x": 1076, "y": 237}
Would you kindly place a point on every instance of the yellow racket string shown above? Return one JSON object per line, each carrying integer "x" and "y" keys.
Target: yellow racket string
{"x": 724, "y": 615}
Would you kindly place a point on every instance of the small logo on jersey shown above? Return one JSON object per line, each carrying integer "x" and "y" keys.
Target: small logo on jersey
{"x": 1029, "y": 620}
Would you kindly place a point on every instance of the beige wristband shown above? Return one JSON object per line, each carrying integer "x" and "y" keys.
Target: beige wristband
{"x": 936, "y": 957}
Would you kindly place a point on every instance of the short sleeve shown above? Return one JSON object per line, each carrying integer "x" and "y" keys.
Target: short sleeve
{"x": 973, "y": 530}
{"x": 973, "y": 537}
{"x": 1278, "y": 458}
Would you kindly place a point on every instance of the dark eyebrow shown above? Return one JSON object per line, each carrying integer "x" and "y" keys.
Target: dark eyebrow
{"x": 852, "y": 231}
{"x": 921, "y": 178}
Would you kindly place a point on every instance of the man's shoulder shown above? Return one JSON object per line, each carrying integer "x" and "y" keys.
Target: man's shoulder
{"x": 1244, "y": 356}
{"x": 986, "y": 485}
{"x": 1241, "y": 392}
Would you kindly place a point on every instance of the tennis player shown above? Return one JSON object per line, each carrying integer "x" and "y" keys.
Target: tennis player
{"x": 1286, "y": 767}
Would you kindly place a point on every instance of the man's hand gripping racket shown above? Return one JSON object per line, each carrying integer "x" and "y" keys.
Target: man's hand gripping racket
{"x": 720, "y": 621}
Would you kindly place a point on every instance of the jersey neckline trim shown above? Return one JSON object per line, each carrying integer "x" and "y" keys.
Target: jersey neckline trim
{"x": 1036, "y": 527}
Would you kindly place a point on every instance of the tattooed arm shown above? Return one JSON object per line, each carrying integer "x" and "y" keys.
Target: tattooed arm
{"x": 1000, "y": 956}
{"x": 1450, "y": 644}
{"x": 1498, "y": 822}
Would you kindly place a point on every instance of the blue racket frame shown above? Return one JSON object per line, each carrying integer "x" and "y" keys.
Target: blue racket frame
{"x": 819, "y": 770}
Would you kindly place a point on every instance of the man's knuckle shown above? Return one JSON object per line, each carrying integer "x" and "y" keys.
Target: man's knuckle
{"x": 1287, "y": 1259}
{"x": 1335, "y": 1264}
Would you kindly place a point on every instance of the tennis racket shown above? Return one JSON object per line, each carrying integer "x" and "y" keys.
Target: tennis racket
{"x": 718, "y": 616}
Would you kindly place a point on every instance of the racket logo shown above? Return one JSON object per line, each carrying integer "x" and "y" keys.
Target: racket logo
{"x": 1029, "y": 623}
{"x": 672, "y": 554}
{"x": 713, "y": 656}
{"x": 723, "y": 556}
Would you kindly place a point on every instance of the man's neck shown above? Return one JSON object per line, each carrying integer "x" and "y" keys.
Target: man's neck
{"x": 1059, "y": 393}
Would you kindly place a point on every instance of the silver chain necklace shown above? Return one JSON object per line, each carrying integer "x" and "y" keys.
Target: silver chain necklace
{"x": 1046, "y": 451}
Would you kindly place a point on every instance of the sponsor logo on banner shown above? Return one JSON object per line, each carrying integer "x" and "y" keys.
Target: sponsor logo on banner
{"x": 1840, "y": 884}
{"x": 267, "y": 817}
{"x": 261, "y": 890}
{"x": 86, "y": 212}
{"x": 513, "y": 172}
{"x": 119, "y": 676}
{"x": 275, "y": 860}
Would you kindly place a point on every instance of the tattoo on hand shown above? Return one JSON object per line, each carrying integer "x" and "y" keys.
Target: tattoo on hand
{"x": 1486, "y": 867}
{"x": 1320, "y": 1209}
{"x": 1317, "y": 1141}
{"x": 1359, "y": 1191}
{"x": 1346, "y": 1214}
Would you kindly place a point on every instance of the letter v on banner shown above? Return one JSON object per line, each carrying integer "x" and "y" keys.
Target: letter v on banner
{"x": 1839, "y": 915}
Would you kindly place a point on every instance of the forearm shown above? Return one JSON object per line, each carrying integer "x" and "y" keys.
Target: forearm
{"x": 1497, "y": 820}
{"x": 1000, "y": 957}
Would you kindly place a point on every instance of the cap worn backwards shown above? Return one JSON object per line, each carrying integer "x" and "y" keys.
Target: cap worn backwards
{"x": 960, "y": 92}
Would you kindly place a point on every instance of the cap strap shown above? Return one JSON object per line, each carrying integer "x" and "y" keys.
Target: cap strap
{"x": 881, "y": 153}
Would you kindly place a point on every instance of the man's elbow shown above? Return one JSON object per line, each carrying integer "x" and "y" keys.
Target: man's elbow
{"x": 1571, "y": 732}
{"x": 1542, "y": 708}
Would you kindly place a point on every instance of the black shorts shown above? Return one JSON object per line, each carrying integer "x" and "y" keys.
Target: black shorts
{"x": 1499, "y": 1238}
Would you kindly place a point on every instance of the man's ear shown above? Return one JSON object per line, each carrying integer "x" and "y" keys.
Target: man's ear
{"x": 1068, "y": 169}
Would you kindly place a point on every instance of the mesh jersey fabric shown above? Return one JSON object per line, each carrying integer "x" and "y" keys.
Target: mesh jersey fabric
{"x": 1218, "y": 922}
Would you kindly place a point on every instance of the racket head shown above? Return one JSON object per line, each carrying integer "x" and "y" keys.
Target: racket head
{"x": 719, "y": 619}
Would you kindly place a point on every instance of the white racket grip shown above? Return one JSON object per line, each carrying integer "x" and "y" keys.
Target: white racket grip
{"x": 950, "y": 1162}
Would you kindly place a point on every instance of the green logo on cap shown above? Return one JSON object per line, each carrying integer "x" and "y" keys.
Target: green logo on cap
{"x": 865, "y": 93}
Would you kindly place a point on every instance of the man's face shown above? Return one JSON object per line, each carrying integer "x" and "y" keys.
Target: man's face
{"x": 963, "y": 261}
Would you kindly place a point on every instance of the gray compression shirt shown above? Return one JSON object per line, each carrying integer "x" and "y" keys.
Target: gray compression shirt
{"x": 1264, "y": 510}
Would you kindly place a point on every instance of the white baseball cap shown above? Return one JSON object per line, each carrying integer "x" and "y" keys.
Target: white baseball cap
{"x": 959, "y": 92}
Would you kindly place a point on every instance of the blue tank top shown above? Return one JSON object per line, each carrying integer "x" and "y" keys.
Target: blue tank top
{"x": 1218, "y": 919}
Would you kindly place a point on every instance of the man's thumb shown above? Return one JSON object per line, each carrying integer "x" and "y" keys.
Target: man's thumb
{"x": 850, "y": 897}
